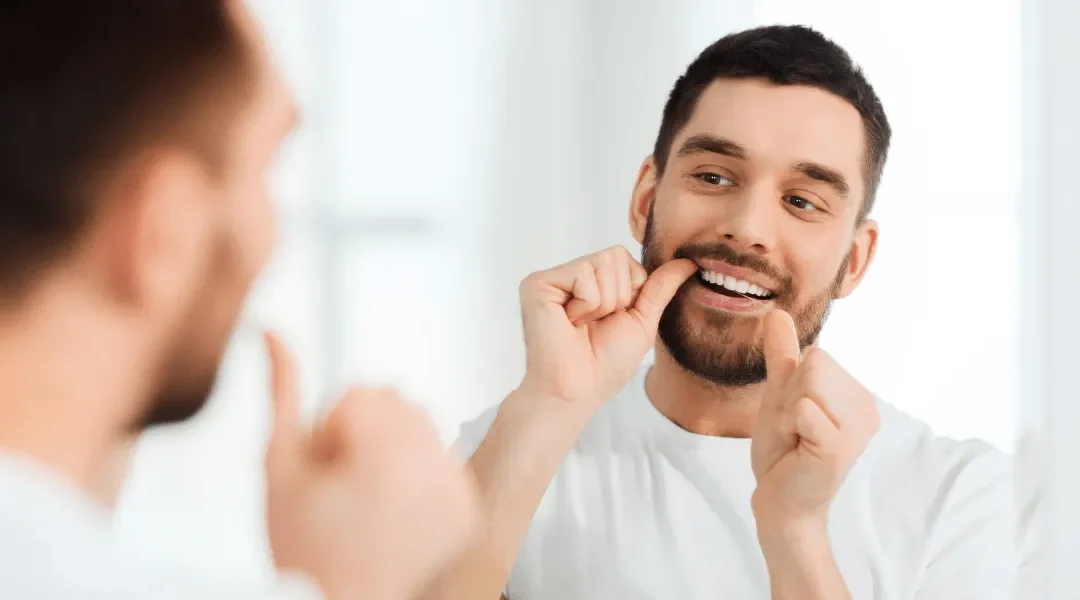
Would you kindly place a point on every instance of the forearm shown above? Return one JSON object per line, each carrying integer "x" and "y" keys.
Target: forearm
{"x": 513, "y": 467}
{"x": 800, "y": 561}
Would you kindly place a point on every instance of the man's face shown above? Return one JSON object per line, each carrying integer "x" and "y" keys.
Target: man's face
{"x": 762, "y": 189}
{"x": 242, "y": 236}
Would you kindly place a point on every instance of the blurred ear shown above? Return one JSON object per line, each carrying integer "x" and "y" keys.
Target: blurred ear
{"x": 863, "y": 248}
{"x": 157, "y": 230}
{"x": 642, "y": 198}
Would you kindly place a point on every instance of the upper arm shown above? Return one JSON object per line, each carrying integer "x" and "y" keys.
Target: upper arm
{"x": 972, "y": 549}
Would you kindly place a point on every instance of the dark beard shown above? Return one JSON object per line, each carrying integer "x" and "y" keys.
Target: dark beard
{"x": 710, "y": 352}
{"x": 189, "y": 369}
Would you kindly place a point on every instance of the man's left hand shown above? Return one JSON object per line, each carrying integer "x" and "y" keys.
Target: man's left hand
{"x": 814, "y": 422}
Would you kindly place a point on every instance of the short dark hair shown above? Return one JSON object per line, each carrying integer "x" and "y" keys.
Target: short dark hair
{"x": 86, "y": 86}
{"x": 783, "y": 55}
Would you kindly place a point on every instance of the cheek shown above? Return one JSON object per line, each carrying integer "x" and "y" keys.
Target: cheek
{"x": 254, "y": 227}
{"x": 817, "y": 270}
{"x": 676, "y": 222}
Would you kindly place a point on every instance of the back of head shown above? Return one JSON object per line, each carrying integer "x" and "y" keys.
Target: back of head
{"x": 86, "y": 86}
{"x": 136, "y": 137}
{"x": 782, "y": 55}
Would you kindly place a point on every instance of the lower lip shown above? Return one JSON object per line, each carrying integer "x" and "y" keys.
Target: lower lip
{"x": 716, "y": 300}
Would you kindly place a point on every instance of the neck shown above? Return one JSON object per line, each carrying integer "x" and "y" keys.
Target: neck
{"x": 700, "y": 406}
{"x": 68, "y": 392}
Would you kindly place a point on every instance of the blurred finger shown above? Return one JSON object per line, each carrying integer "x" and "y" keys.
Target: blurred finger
{"x": 287, "y": 434}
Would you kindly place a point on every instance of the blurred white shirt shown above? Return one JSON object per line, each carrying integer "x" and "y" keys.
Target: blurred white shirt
{"x": 643, "y": 510}
{"x": 56, "y": 542}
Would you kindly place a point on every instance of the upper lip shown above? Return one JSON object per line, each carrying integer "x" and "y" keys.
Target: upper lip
{"x": 738, "y": 273}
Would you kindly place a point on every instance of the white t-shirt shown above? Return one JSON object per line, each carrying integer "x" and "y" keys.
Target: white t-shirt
{"x": 643, "y": 510}
{"x": 57, "y": 543}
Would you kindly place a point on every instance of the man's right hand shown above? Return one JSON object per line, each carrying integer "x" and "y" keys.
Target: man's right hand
{"x": 588, "y": 323}
{"x": 369, "y": 505}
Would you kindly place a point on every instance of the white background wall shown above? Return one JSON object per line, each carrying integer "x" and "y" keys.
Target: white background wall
{"x": 449, "y": 148}
{"x": 1053, "y": 127}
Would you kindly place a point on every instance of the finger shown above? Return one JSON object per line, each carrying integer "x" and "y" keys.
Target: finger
{"x": 608, "y": 284}
{"x": 782, "y": 353}
{"x": 625, "y": 285}
{"x": 584, "y": 292}
{"x": 823, "y": 380}
{"x": 638, "y": 277}
{"x": 284, "y": 390}
{"x": 815, "y": 430}
{"x": 350, "y": 423}
{"x": 658, "y": 290}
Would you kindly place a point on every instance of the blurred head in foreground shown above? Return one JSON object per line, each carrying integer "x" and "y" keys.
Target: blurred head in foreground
{"x": 134, "y": 214}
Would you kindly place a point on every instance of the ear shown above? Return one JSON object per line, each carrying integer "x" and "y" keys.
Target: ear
{"x": 642, "y": 198}
{"x": 157, "y": 236}
{"x": 863, "y": 248}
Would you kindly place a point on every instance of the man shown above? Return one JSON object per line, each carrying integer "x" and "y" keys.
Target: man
{"x": 136, "y": 140}
{"x": 745, "y": 463}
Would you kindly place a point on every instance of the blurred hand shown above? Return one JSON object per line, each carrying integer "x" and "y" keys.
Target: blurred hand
{"x": 589, "y": 323}
{"x": 815, "y": 421}
{"x": 369, "y": 504}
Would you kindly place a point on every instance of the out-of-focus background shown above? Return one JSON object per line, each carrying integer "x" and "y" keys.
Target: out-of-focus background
{"x": 450, "y": 148}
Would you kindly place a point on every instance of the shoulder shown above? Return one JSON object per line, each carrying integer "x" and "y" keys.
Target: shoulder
{"x": 957, "y": 504}
{"x": 934, "y": 467}
{"x": 905, "y": 440}
{"x": 951, "y": 487}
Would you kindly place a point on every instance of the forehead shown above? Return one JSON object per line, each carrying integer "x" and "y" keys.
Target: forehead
{"x": 782, "y": 125}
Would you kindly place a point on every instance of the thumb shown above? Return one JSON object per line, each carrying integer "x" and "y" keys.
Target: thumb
{"x": 782, "y": 353}
{"x": 658, "y": 291}
{"x": 284, "y": 449}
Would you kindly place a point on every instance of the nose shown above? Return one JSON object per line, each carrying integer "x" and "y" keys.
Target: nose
{"x": 750, "y": 222}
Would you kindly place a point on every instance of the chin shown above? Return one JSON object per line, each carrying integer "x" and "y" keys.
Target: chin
{"x": 722, "y": 349}
{"x": 180, "y": 398}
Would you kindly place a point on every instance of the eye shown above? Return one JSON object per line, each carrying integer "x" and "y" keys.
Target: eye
{"x": 800, "y": 203}
{"x": 714, "y": 179}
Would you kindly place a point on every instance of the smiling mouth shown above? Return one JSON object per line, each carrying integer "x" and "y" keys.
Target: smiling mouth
{"x": 731, "y": 287}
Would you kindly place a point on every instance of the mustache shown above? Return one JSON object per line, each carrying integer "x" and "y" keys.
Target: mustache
{"x": 727, "y": 254}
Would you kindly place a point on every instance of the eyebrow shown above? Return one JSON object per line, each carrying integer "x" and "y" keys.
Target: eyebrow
{"x": 823, "y": 174}
{"x": 706, "y": 143}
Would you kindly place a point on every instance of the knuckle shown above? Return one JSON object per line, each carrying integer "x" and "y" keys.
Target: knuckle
{"x": 586, "y": 270}
{"x": 805, "y": 407}
{"x": 618, "y": 252}
{"x": 810, "y": 382}
{"x": 528, "y": 284}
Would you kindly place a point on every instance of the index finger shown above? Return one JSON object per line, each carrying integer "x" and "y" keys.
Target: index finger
{"x": 284, "y": 390}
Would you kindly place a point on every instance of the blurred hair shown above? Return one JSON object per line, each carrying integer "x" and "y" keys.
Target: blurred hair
{"x": 85, "y": 88}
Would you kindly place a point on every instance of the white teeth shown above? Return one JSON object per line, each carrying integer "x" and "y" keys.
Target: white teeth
{"x": 735, "y": 285}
